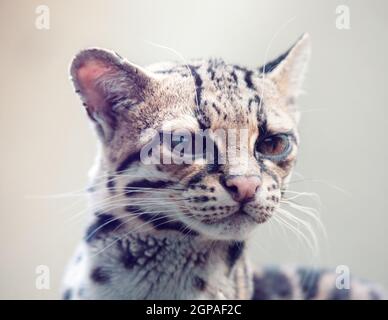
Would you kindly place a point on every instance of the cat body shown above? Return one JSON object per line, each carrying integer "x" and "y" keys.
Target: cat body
{"x": 166, "y": 228}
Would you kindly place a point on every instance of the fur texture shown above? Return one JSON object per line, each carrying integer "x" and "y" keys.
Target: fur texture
{"x": 178, "y": 230}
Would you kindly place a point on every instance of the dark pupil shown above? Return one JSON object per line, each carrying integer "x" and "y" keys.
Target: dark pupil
{"x": 273, "y": 146}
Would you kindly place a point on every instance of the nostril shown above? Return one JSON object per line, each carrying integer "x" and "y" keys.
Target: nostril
{"x": 233, "y": 189}
{"x": 242, "y": 188}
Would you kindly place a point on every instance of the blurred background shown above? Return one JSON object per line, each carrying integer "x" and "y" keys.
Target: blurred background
{"x": 47, "y": 145}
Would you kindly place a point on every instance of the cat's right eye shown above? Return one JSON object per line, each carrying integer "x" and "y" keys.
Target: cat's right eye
{"x": 274, "y": 147}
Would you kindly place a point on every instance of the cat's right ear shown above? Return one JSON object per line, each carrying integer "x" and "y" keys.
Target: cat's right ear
{"x": 108, "y": 85}
{"x": 287, "y": 71}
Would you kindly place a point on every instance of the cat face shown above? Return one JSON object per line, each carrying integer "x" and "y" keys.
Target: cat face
{"x": 204, "y": 148}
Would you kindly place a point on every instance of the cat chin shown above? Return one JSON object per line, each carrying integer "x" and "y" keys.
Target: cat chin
{"x": 235, "y": 227}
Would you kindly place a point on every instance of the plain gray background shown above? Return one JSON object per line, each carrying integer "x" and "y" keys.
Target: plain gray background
{"x": 47, "y": 145}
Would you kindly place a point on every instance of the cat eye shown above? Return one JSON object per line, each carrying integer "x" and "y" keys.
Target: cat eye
{"x": 274, "y": 147}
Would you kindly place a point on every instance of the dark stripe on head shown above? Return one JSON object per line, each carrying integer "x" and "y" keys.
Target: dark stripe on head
{"x": 234, "y": 76}
{"x": 198, "y": 83}
{"x": 104, "y": 224}
{"x": 160, "y": 221}
{"x": 211, "y": 72}
{"x": 263, "y": 125}
{"x": 270, "y": 66}
{"x": 234, "y": 253}
{"x": 248, "y": 79}
{"x": 134, "y": 157}
{"x": 178, "y": 69}
{"x": 202, "y": 118}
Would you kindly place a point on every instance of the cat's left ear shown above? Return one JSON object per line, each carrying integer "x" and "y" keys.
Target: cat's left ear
{"x": 288, "y": 70}
{"x": 108, "y": 85}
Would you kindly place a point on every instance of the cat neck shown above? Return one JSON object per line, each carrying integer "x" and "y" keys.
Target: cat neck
{"x": 171, "y": 265}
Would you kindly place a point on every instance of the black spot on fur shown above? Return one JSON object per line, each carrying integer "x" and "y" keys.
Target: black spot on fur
{"x": 67, "y": 295}
{"x": 104, "y": 224}
{"x": 260, "y": 290}
{"x": 375, "y": 295}
{"x": 127, "y": 258}
{"x": 309, "y": 281}
{"x": 216, "y": 108}
{"x": 199, "y": 283}
{"x": 202, "y": 119}
{"x": 255, "y": 100}
{"x": 235, "y": 251}
{"x": 99, "y": 275}
{"x": 211, "y": 72}
{"x": 248, "y": 79}
{"x": 111, "y": 183}
{"x": 263, "y": 130}
{"x": 234, "y": 76}
{"x": 134, "y": 157}
{"x": 272, "y": 285}
{"x": 160, "y": 221}
{"x": 201, "y": 199}
{"x": 339, "y": 294}
{"x": 196, "y": 178}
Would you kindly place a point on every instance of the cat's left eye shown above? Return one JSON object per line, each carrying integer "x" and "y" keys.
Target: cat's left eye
{"x": 274, "y": 147}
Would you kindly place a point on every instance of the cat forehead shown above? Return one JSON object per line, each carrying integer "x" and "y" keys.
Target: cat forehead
{"x": 219, "y": 95}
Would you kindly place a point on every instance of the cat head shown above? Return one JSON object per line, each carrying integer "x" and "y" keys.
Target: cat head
{"x": 205, "y": 147}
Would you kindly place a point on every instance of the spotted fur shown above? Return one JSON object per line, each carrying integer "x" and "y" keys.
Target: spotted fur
{"x": 176, "y": 231}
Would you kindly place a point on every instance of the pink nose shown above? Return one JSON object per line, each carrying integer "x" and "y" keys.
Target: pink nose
{"x": 243, "y": 188}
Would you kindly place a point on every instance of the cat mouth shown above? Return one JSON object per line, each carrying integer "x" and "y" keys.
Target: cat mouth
{"x": 239, "y": 216}
{"x": 236, "y": 225}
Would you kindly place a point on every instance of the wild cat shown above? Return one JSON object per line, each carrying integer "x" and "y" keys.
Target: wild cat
{"x": 174, "y": 229}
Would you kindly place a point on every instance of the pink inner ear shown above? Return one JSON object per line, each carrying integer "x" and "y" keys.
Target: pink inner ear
{"x": 87, "y": 76}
